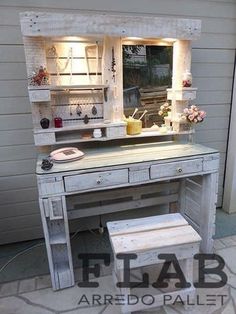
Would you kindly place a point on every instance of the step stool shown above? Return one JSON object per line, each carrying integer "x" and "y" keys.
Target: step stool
{"x": 147, "y": 238}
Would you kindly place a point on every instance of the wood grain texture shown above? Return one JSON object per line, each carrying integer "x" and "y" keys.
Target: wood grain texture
{"x": 140, "y": 241}
{"x": 147, "y": 238}
{"x": 35, "y": 24}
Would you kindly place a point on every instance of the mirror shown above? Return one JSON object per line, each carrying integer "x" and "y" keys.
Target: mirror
{"x": 147, "y": 73}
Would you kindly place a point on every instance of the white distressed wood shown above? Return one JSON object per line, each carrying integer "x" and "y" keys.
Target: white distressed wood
{"x": 117, "y": 207}
{"x": 95, "y": 180}
{"x": 176, "y": 168}
{"x": 39, "y": 95}
{"x": 35, "y": 24}
{"x": 82, "y": 176}
{"x": 57, "y": 238}
{"x": 44, "y": 139}
{"x": 139, "y": 175}
{"x": 121, "y": 227}
{"x": 114, "y": 105}
{"x": 116, "y": 131}
{"x": 131, "y": 154}
{"x": 186, "y": 93}
{"x": 34, "y": 54}
{"x": 134, "y": 192}
{"x": 207, "y": 210}
{"x": 140, "y": 241}
{"x": 50, "y": 186}
{"x": 211, "y": 163}
{"x": 168, "y": 231}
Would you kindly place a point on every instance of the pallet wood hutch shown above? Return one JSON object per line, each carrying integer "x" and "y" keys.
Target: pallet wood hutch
{"x": 74, "y": 66}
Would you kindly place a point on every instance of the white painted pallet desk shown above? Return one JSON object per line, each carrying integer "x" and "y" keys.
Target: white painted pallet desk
{"x": 182, "y": 173}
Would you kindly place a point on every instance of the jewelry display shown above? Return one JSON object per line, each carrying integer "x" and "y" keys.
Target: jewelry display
{"x": 79, "y": 110}
{"x": 113, "y": 65}
{"x": 94, "y": 110}
{"x": 86, "y": 119}
{"x": 52, "y": 53}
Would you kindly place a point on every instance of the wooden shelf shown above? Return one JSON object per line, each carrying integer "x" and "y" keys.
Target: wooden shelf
{"x": 77, "y": 127}
{"x": 185, "y": 93}
{"x": 141, "y": 135}
{"x": 64, "y": 87}
{"x": 147, "y": 133}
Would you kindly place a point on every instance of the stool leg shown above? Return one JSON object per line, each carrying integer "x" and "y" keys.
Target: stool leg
{"x": 124, "y": 291}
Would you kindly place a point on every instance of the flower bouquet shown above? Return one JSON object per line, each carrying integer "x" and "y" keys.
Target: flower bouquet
{"x": 39, "y": 77}
{"x": 164, "y": 109}
{"x": 193, "y": 114}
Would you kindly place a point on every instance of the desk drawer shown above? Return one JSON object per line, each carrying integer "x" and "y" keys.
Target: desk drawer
{"x": 177, "y": 168}
{"x": 95, "y": 180}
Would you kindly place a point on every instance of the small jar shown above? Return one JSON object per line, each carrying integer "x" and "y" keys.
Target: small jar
{"x": 134, "y": 126}
{"x": 58, "y": 122}
{"x": 163, "y": 129}
{"x": 44, "y": 123}
{"x": 97, "y": 133}
{"x": 187, "y": 79}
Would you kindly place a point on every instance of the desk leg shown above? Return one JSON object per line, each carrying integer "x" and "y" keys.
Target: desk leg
{"x": 57, "y": 239}
{"x": 197, "y": 203}
{"x": 208, "y": 211}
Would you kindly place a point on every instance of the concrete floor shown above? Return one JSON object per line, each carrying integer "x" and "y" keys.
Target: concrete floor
{"x": 35, "y": 296}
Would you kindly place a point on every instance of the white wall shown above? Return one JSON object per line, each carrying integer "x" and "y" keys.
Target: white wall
{"x": 213, "y": 58}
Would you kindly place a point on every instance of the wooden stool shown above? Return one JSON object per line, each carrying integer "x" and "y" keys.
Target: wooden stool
{"x": 147, "y": 238}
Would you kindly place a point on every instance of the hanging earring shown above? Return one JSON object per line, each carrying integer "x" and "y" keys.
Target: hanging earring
{"x": 79, "y": 110}
{"x": 86, "y": 119}
{"x": 94, "y": 110}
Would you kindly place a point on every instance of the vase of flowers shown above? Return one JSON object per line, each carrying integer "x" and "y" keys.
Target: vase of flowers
{"x": 165, "y": 113}
{"x": 164, "y": 110}
{"x": 193, "y": 115}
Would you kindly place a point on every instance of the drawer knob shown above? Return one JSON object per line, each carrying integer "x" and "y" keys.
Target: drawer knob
{"x": 99, "y": 181}
{"x": 179, "y": 170}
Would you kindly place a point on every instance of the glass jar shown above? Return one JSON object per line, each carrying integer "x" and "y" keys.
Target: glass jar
{"x": 97, "y": 133}
{"x": 58, "y": 122}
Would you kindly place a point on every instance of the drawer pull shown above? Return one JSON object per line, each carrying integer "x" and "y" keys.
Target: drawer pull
{"x": 179, "y": 170}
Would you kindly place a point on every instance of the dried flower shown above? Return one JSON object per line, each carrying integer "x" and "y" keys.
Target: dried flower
{"x": 39, "y": 77}
{"x": 193, "y": 114}
{"x": 164, "y": 109}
